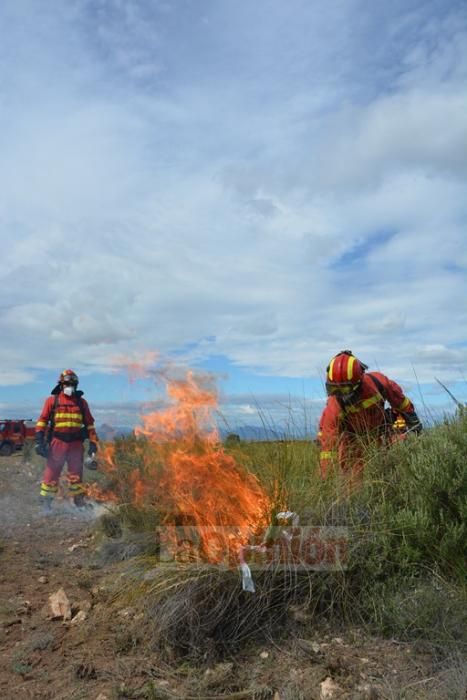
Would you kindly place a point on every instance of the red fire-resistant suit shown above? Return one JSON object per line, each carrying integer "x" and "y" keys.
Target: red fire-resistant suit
{"x": 72, "y": 422}
{"x": 345, "y": 430}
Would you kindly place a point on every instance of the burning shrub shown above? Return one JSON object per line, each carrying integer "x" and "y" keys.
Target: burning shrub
{"x": 175, "y": 471}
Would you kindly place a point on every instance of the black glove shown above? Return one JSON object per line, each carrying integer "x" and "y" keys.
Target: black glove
{"x": 42, "y": 449}
{"x": 92, "y": 449}
{"x": 414, "y": 424}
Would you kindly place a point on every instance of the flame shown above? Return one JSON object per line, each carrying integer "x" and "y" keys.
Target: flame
{"x": 179, "y": 467}
{"x": 99, "y": 494}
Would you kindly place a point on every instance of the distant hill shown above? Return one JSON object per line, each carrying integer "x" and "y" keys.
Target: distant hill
{"x": 245, "y": 432}
{"x": 255, "y": 432}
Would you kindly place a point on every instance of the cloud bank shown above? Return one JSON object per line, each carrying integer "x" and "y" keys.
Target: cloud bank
{"x": 260, "y": 181}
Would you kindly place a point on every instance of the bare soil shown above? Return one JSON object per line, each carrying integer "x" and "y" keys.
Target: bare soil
{"x": 90, "y": 657}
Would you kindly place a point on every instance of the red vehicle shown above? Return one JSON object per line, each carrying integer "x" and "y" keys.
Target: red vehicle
{"x": 13, "y": 435}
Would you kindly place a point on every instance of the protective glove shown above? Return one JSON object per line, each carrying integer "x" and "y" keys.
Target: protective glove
{"x": 414, "y": 424}
{"x": 42, "y": 449}
{"x": 92, "y": 449}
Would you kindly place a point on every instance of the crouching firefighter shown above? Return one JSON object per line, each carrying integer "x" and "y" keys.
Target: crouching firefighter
{"x": 65, "y": 422}
{"x": 354, "y": 415}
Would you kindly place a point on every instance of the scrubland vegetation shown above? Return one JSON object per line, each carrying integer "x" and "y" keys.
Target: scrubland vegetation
{"x": 405, "y": 574}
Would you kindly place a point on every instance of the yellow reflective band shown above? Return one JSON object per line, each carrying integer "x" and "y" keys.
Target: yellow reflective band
{"x": 350, "y": 365}
{"x": 68, "y": 424}
{"x": 74, "y": 415}
{"x": 46, "y": 490}
{"x": 405, "y": 404}
{"x": 371, "y": 401}
{"x": 366, "y": 403}
{"x": 75, "y": 488}
{"x": 41, "y": 424}
{"x": 331, "y": 366}
{"x": 326, "y": 455}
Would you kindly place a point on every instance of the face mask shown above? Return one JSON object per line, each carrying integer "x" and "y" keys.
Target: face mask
{"x": 68, "y": 390}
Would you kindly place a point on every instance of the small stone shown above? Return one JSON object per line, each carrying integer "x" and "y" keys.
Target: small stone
{"x": 77, "y": 545}
{"x": 79, "y": 617}
{"x": 329, "y": 689}
{"x": 264, "y": 654}
{"x": 43, "y": 579}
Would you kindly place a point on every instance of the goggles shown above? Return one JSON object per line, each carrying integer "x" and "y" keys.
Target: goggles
{"x": 341, "y": 389}
{"x": 69, "y": 382}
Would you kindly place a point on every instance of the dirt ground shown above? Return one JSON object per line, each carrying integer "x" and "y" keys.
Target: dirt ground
{"x": 86, "y": 657}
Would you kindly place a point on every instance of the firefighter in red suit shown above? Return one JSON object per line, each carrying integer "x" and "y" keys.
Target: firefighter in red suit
{"x": 65, "y": 422}
{"x": 354, "y": 414}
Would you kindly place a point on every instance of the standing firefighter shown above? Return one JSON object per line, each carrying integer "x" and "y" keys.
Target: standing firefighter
{"x": 65, "y": 422}
{"x": 354, "y": 415}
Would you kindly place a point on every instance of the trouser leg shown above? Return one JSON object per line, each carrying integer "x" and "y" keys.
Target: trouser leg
{"x": 75, "y": 470}
{"x": 53, "y": 468}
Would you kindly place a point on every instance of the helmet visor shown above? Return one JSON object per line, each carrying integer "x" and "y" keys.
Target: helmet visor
{"x": 69, "y": 379}
{"x": 341, "y": 389}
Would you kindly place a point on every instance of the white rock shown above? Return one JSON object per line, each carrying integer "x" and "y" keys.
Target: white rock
{"x": 60, "y": 605}
{"x": 78, "y": 545}
{"x": 329, "y": 689}
{"x": 79, "y": 617}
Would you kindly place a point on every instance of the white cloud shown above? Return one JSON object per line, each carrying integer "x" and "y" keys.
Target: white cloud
{"x": 285, "y": 182}
{"x": 14, "y": 377}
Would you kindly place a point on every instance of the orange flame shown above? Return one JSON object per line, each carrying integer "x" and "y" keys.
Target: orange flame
{"x": 180, "y": 468}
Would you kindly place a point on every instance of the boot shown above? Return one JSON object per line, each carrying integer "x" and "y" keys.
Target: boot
{"x": 46, "y": 505}
{"x": 81, "y": 502}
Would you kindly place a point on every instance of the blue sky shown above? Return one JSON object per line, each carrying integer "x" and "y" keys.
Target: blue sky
{"x": 242, "y": 187}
